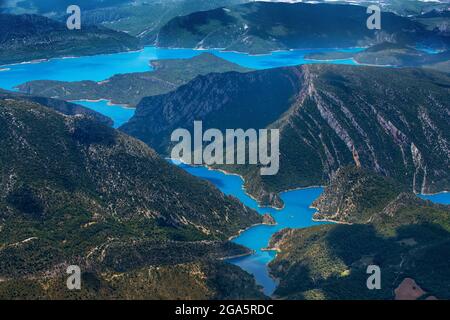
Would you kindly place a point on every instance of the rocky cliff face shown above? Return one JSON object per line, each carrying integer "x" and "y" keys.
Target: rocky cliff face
{"x": 391, "y": 121}
{"x": 229, "y": 100}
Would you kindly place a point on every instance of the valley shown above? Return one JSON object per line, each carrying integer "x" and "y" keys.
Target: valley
{"x": 63, "y": 193}
{"x": 86, "y": 120}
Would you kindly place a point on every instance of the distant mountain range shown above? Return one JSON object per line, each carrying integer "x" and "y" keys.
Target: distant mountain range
{"x": 408, "y": 238}
{"x": 144, "y": 19}
{"x": 394, "y": 123}
{"x": 401, "y": 7}
{"x": 257, "y": 27}
{"x": 74, "y": 191}
{"x": 140, "y": 18}
{"x": 32, "y": 37}
{"x": 261, "y": 27}
{"x": 393, "y": 55}
{"x": 166, "y": 7}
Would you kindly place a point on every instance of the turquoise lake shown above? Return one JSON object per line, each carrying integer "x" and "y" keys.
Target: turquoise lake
{"x": 296, "y": 214}
{"x": 441, "y": 198}
{"x": 119, "y": 114}
{"x": 101, "y": 67}
{"x": 104, "y": 66}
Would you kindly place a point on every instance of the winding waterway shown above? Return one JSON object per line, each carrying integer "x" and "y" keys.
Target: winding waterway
{"x": 297, "y": 212}
{"x": 103, "y": 66}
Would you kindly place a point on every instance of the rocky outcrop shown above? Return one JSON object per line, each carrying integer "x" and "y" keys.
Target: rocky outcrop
{"x": 403, "y": 235}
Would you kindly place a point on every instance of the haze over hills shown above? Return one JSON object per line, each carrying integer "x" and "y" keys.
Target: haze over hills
{"x": 74, "y": 191}
{"x": 261, "y": 27}
{"x": 31, "y": 37}
{"x": 140, "y": 18}
{"x": 144, "y": 19}
{"x": 329, "y": 116}
{"x": 401, "y": 7}
{"x": 394, "y": 55}
{"x": 408, "y": 238}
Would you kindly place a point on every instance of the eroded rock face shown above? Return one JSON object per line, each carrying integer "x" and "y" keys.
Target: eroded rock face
{"x": 393, "y": 122}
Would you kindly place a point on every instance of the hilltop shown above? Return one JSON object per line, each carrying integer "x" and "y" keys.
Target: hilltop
{"x": 261, "y": 27}
{"x": 130, "y": 88}
{"x": 74, "y": 191}
{"x": 31, "y": 37}
{"x": 408, "y": 238}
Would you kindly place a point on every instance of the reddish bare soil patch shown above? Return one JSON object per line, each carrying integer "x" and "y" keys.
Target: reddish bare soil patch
{"x": 408, "y": 290}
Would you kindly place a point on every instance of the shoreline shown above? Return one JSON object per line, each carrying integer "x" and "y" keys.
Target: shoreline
{"x": 109, "y": 103}
{"x": 210, "y": 168}
{"x": 433, "y": 194}
{"x": 252, "y": 252}
{"x": 36, "y": 61}
{"x": 220, "y": 50}
{"x": 275, "y": 280}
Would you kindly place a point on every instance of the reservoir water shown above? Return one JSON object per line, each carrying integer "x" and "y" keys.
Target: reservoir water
{"x": 103, "y": 66}
{"x": 119, "y": 114}
{"x": 441, "y": 198}
{"x": 100, "y": 67}
{"x": 296, "y": 214}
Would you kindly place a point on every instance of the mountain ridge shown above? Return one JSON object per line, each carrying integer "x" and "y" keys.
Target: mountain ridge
{"x": 262, "y": 27}
{"x": 329, "y": 116}
{"x": 130, "y": 88}
{"x": 31, "y": 37}
{"x": 74, "y": 191}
